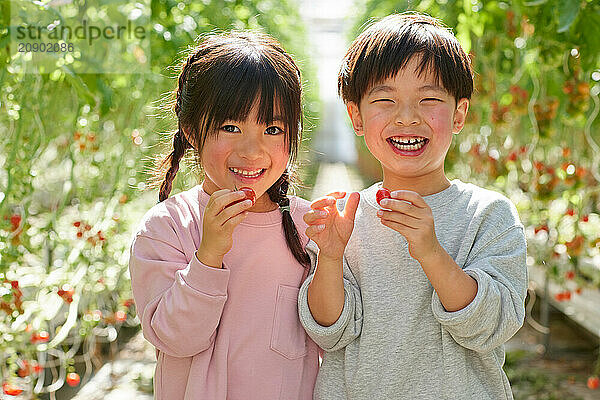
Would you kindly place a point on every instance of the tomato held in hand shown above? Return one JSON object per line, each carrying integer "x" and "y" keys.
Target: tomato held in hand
{"x": 382, "y": 193}
{"x": 250, "y": 195}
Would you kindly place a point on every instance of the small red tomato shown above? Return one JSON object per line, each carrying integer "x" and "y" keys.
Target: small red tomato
{"x": 570, "y": 212}
{"x": 73, "y": 379}
{"x": 11, "y": 390}
{"x": 250, "y": 195}
{"x": 593, "y": 382}
{"x": 120, "y": 316}
{"x": 567, "y": 295}
{"x": 43, "y": 336}
{"x": 382, "y": 193}
{"x": 15, "y": 221}
{"x": 585, "y": 218}
{"x": 570, "y": 275}
{"x": 578, "y": 290}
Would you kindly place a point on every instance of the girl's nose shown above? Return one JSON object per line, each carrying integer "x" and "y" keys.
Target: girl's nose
{"x": 250, "y": 149}
{"x": 407, "y": 115}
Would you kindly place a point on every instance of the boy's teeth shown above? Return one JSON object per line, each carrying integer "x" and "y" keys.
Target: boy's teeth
{"x": 408, "y": 144}
{"x": 246, "y": 173}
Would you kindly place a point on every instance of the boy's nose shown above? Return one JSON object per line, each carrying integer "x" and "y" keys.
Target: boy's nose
{"x": 407, "y": 115}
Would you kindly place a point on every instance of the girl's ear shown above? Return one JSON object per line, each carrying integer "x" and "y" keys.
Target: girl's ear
{"x": 460, "y": 115}
{"x": 355, "y": 118}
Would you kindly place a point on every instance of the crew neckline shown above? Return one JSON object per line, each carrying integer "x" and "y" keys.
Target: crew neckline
{"x": 435, "y": 200}
{"x": 268, "y": 218}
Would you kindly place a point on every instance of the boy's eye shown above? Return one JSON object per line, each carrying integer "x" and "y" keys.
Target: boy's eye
{"x": 230, "y": 128}
{"x": 273, "y": 130}
{"x": 431, "y": 99}
{"x": 382, "y": 101}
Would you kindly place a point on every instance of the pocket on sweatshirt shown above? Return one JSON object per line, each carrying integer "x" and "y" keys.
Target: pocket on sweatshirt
{"x": 288, "y": 337}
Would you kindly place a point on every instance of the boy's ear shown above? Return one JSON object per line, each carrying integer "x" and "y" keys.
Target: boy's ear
{"x": 460, "y": 115}
{"x": 355, "y": 117}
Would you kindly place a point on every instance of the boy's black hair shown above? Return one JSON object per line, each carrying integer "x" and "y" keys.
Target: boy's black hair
{"x": 385, "y": 47}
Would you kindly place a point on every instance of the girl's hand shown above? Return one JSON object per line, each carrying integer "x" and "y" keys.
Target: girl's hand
{"x": 408, "y": 214}
{"x": 329, "y": 228}
{"x": 222, "y": 214}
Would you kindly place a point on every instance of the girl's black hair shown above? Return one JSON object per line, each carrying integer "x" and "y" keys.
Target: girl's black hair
{"x": 222, "y": 78}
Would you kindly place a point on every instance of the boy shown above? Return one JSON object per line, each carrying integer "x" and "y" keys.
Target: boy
{"x": 413, "y": 299}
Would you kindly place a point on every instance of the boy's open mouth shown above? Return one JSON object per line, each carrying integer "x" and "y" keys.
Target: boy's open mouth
{"x": 408, "y": 144}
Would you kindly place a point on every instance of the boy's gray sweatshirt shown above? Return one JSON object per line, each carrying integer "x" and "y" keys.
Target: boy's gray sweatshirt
{"x": 394, "y": 339}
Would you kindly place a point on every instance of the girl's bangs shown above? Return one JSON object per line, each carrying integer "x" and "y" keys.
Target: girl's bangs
{"x": 244, "y": 85}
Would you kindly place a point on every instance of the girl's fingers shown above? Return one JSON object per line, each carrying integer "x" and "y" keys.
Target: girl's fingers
{"x": 222, "y": 198}
{"x": 231, "y": 211}
{"x": 235, "y": 220}
{"x": 315, "y": 216}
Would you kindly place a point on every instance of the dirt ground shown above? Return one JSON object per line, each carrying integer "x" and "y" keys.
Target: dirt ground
{"x": 561, "y": 372}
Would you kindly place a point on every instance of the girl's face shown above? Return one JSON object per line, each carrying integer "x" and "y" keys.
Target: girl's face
{"x": 246, "y": 153}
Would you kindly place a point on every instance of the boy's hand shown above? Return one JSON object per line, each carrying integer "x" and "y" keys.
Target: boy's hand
{"x": 222, "y": 214}
{"x": 329, "y": 228}
{"x": 408, "y": 214}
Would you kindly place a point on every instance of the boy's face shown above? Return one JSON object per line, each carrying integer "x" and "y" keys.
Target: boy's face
{"x": 408, "y": 122}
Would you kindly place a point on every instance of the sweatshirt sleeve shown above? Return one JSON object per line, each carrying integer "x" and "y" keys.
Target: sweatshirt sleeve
{"x": 348, "y": 326}
{"x": 179, "y": 302}
{"x": 498, "y": 309}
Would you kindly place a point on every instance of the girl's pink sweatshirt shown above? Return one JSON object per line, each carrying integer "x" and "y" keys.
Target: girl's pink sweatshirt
{"x": 230, "y": 333}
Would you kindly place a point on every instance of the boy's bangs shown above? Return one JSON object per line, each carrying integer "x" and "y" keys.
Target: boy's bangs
{"x": 399, "y": 49}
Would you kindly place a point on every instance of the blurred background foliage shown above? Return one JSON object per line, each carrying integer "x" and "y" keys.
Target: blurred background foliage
{"x": 75, "y": 153}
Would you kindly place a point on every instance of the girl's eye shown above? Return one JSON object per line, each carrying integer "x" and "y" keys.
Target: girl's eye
{"x": 230, "y": 128}
{"x": 273, "y": 130}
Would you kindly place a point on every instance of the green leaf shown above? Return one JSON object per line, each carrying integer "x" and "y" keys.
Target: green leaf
{"x": 567, "y": 12}
{"x": 535, "y": 2}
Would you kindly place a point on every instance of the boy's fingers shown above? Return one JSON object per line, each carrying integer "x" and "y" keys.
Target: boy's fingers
{"x": 314, "y": 230}
{"x": 401, "y": 206}
{"x": 352, "y": 205}
{"x": 337, "y": 195}
{"x": 410, "y": 196}
{"x": 314, "y": 216}
{"x": 397, "y": 217}
{"x": 323, "y": 202}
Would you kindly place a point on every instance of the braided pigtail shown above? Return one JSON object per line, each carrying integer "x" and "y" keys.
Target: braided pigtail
{"x": 180, "y": 145}
{"x": 278, "y": 194}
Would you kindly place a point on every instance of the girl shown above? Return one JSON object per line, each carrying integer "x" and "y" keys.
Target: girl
{"x": 216, "y": 277}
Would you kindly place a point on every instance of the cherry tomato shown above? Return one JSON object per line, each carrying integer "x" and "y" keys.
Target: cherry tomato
{"x": 11, "y": 390}
{"x": 593, "y": 382}
{"x": 73, "y": 379}
{"x": 250, "y": 195}
{"x": 382, "y": 193}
